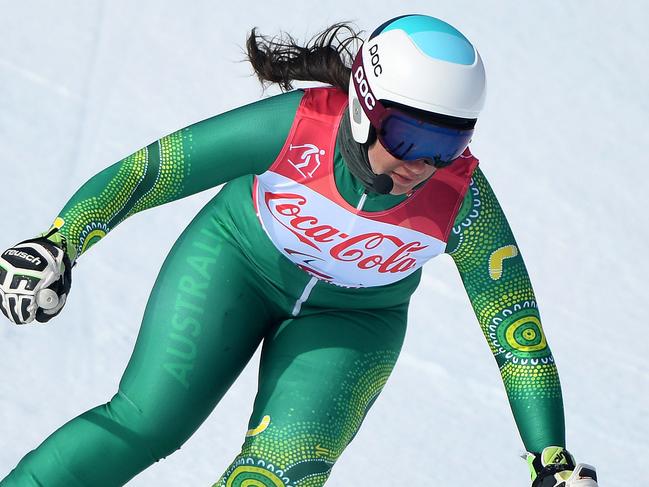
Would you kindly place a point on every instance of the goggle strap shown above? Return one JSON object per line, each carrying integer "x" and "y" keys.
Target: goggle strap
{"x": 372, "y": 107}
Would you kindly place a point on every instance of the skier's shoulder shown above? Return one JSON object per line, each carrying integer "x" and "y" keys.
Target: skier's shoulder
{"x": 278, "y": 104}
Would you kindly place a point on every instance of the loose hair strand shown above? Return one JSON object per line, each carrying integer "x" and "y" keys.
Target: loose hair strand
{"x": 326, "y": 58}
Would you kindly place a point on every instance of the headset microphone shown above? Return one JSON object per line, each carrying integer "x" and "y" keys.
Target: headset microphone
{"x": 382, "y": 183}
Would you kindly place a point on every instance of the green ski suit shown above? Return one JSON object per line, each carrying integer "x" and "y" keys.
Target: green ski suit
{"x": 224, "y": 289}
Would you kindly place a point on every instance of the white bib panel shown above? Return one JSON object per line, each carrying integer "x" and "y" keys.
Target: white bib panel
{"x": 333, "y": 243}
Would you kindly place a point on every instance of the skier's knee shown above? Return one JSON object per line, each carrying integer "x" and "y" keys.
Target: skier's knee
{"x": 281, "y": 464}
{"x": 146, "y": 429}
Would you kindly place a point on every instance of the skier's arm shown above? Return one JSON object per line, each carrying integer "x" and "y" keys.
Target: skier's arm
{"x": 242, "y": 141}
{"x": 496, "y": 280}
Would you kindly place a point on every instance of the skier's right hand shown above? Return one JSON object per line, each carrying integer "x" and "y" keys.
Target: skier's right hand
{"x": 555, "y": 467}
{"x": 35, "y": 279}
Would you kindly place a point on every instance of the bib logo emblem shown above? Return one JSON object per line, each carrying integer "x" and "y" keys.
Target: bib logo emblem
{"x": 309, "y": 159}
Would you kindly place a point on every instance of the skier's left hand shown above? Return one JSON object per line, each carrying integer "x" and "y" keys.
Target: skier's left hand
{"x": 555, "y": 467}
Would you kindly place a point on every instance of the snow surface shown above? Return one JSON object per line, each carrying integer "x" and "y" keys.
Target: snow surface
{"x": 85, "y": 83}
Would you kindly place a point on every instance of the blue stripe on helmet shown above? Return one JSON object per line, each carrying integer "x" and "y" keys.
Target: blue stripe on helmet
{"x": 434, "y": 37}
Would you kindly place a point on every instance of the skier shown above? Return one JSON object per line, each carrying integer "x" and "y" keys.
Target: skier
{"x": 336, "y": 197}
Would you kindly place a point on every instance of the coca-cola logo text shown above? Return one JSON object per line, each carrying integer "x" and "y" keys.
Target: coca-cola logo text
{"x": 369, "y": 250}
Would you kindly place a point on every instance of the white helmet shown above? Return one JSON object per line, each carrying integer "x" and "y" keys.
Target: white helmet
{"x": 419, "y": 62}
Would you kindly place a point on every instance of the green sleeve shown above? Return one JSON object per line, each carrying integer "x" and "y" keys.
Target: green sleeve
{"x": 496, "y": 280}
{"x": 242, "y": 141}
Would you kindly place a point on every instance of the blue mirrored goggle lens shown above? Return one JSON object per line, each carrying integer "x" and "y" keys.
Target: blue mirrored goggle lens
{"x": 410, "y": 139}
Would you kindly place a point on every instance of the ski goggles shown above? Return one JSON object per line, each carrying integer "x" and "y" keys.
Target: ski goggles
{"x": 404, "y": 135}
{"x": 410, "y": 139}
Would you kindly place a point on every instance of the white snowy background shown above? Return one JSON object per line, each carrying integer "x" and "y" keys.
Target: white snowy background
{"x": 84, "y": 83}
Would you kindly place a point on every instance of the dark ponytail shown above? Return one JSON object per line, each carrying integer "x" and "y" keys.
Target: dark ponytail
{"x": 326, "y": 58}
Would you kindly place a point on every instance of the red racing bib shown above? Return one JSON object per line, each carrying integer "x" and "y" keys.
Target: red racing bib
{"x": 310, "y": 223}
